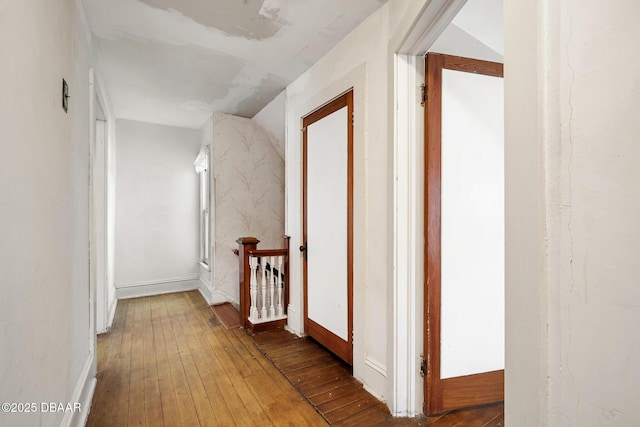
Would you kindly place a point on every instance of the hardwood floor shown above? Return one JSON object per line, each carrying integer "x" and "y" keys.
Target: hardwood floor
{"x": 227, "y": 314}
{"x": 327, "y": 383}
{"x": 169, "y": 362}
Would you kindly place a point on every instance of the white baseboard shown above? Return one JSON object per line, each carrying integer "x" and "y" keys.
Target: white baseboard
{"x": 220, "y": 296}
{"x": 294, "y": 324}
{"x": 110, "y": 316}
{"x": 83, "y": 394}
{"x": 206, "y": 292}
{"x": 374, "y": 393}
{"x": 214, "y": 296}
{"x": 112, "y": 313}
{"x": 157, "y": 287}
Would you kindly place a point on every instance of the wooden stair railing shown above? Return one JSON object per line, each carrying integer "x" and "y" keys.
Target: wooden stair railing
{"x": 264, "y": 284}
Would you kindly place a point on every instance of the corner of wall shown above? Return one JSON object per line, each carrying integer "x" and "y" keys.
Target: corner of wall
{"x": 82, "y": 394}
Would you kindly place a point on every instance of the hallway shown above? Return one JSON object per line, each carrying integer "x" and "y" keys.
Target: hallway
{"x": 168, "y": 362}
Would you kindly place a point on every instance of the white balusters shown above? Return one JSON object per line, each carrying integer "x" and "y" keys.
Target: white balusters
{"x": 272, "y": 287}
{"x": 253, "y": 311}
{"x": 263, "y": 289}
{"x": 267, "y": 296}
{"x": 279, "y": 283}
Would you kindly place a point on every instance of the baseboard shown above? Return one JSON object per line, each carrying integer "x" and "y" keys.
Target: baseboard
{"x": 110, "y": 316}
{"x": 373, "y": 393}
{"x": 206, "y": 293}
{"x": 220, "y": 296}
{"x": 294, "y": 325}
{"x": 83, "y": 394}
{"x": 157, "y": 287}
{"x": 214, "y": 296}
{"x": 112, "y": 313}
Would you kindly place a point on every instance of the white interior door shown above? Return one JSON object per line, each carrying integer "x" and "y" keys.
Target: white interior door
{"x": 327, "y": 226}
{"x": 464, "y": 223}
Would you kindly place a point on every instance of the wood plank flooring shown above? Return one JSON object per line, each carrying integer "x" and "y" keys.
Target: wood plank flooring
{"x": 327, "y": 383}
{"x": 168, "y": 362}
{"x": 227, "y": 315}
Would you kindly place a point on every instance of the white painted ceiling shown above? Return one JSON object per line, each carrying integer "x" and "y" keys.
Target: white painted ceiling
{"x": 175, "y": 62}
{"x": 477, "y": 31}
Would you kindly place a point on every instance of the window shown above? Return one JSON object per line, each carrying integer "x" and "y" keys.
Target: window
{"x": 202, "y": 167}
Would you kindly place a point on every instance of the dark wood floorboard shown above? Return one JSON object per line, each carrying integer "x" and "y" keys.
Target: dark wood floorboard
{"x": 227, "y": 315}
{"x": 327, "y": 384}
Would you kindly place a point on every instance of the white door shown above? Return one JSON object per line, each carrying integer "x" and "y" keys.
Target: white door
{"x": 464, "y": 200}
{"x": 327, "y": 148}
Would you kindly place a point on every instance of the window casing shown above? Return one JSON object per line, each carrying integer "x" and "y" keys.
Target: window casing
{"x": 205, "y": 222}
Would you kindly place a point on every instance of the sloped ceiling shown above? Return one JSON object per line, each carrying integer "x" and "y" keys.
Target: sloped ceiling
{"x": 477, "y": 31}
{"x": 175, "y": 62}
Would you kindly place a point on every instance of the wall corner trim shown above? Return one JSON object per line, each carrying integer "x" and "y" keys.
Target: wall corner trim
{"x": 82, "y": 394}
{"x": 205, "y": 291}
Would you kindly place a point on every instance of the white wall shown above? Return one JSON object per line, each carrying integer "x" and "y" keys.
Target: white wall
{"x": 572, "y": 208}
{"x": 362, "y": 61}
{"x": 248, "y": 185}
{"x": 271, "y": 120}
{"x": 46, "y": 354}
{"x": 157, "y": 221}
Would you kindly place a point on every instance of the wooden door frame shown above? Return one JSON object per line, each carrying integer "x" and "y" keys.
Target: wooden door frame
{"x": 443, "y": 395}
{"x": 345, "y": 348}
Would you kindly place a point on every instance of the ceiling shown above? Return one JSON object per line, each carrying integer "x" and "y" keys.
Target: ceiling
{"x": 477, "y": 31}
{"x": 175, "y": 62}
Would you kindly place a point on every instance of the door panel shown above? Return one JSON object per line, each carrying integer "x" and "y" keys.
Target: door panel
{"x": 327, "y": 219}
{"x": 472, "y": 224}
{"x": 464, "y": 225}
{"x": 327, "y": 143}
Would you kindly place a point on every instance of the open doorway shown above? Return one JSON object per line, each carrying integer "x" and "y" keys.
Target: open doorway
{"x": 464, "y": 211}
{"x": 102, "y": 212}
{"x": 471, "y": 29}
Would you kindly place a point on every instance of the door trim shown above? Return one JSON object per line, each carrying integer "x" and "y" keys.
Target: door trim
{"x": 443, "y": 395}
{"x": 343, "y": 349}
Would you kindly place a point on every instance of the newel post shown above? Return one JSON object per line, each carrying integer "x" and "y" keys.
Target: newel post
{"x": 245, "y": 244}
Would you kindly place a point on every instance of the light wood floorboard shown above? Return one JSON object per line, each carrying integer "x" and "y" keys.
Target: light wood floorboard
{"x": 168, "y": 362}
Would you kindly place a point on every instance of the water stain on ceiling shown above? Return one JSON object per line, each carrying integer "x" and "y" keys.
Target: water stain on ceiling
{"x": 150, "y": 68}
{"x": 175, "y": 62}
{"x": 245, "y": 18}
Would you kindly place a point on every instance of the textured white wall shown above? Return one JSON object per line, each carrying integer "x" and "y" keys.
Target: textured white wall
{"x": 249, "y": 195}
{"x": 44, "y": 208}
{"x": 572, "y": 215}
{"x": 157, "y": 207}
